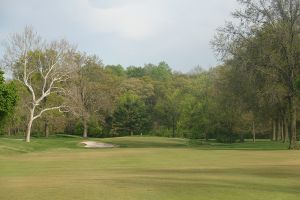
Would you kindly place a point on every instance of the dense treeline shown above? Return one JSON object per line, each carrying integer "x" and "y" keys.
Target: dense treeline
{"x": 107, "y": 101}
{"x": 253, "y": 94}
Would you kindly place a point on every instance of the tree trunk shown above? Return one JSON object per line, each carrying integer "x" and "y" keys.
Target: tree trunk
{"x": 85, "y": 128}
{"x": 131, "y": 133}
{"x": 274, "y": 130}
{"x": 286, "y": 130}
{"x": 242, "y": 140}
{"x": 29, "y": 125}
{"x": 9, "y": 132}
{"x": 46, "y": 129}
{"x": 278, "y": 132}
{"x": 206, "y": 137}
{"x": 293, "y": 123}
{"x": 282, "y": 130}
{"x": 173, "y": 127}
{"x": 253, "y": 132}
{"x": 28, "y": 131}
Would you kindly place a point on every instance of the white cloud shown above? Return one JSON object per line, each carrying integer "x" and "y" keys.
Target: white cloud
{"x": 112, "y": 3}
{"x": 134, "y": 21}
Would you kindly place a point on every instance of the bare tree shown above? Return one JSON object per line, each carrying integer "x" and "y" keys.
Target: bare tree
{"x": 42, "y": 67}
{"x": 85, "y": 96}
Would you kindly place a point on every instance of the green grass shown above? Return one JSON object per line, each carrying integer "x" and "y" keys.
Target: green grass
{"x": 147, "y": 168}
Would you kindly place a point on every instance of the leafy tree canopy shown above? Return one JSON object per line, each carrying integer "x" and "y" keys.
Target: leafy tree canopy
{"x": 8, "y": 97}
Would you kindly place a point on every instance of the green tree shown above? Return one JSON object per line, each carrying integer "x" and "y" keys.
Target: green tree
{"x": 85, "y": 92}
{"x": 269, "y": 31}
{"x": 8, "y": 97}
{"x": 200, "y": 116}
{"x": 130, "y": 116}
{"x": 161, "y": 72}
{"x": 135, "y": 72}
{"x": 168, "y": 109}
{"x": 117, "y": 70}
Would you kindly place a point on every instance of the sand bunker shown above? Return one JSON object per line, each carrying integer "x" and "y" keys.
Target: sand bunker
{"x": 92, "y": 144}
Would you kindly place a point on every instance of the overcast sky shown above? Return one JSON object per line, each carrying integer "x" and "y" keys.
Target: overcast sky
{"x": 126, "y": 32}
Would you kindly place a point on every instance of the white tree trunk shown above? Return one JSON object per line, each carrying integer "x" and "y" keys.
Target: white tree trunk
{"x": 29, "y": 125}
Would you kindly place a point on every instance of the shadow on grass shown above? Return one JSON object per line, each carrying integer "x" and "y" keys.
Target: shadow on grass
{"x": 155, "y": 142}
{"x": 149, "y": 144}
{"x": 280, "y": 171}
{"x": 228, "y": 179}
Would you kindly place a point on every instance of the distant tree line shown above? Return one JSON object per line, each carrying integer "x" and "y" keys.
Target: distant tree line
{"x": 253, "y": 94}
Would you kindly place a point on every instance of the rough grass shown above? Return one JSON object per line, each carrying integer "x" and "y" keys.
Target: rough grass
{"x": 147, "y": 168}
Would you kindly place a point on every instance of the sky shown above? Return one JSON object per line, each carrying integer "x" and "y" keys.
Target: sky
{"x": 126, "y": 32}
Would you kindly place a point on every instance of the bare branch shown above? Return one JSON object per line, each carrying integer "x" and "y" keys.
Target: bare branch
{"x": 60, "y": 108}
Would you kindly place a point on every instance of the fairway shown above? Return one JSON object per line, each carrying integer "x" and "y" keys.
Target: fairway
{"x": 146, "y": 168}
